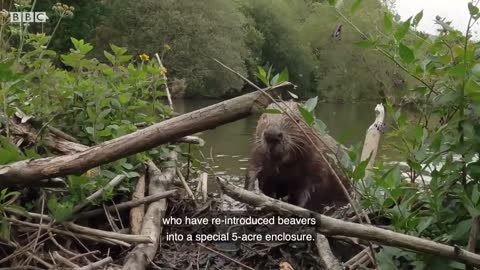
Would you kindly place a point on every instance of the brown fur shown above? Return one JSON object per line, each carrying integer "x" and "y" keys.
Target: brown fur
{"x": 287, "y": 164}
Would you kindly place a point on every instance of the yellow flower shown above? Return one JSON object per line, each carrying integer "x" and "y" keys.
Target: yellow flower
{"x": 163, "y": 70}
{"x": 88, "y": 173}
{"x": 144, "y": 57}
{"x": 167, "y": 47}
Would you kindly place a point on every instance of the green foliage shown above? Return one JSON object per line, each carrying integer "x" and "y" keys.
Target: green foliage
{"x": 435, "y": 192}
{"x": 268, "y": 79}
{"x": 94, "y": 101}
{"x": 7, "y": 200}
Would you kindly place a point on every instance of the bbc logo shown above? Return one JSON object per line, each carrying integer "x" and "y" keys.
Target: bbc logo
{"x": 28, "y": 17}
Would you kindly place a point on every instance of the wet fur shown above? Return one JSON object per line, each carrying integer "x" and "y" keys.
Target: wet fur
{"x": 293, "y": 168}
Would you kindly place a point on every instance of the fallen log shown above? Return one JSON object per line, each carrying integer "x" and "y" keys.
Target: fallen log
{"x": 143, "y": 254}
{"x": 30, "y": 172}
{"x": 331, "y": 226}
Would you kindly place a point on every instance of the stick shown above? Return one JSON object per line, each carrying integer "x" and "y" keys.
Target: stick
{"x": 129, "y": 204}
{"x": 142, "y": 254}
{"x": 203, "y": 179}
{"x": 112, "y": 235}
{"x": 98, "y": 264}
{"x": 79, "y": 235}
{"x": 30, "y": 172}
{"x": 169, "y": 97}
{"x": 185, "y": 185}
{"x": 326, "y": 256}
{"x": 328, "y": 225}
{"x": 137, "y": 213}
{"x": 226, "y": 257}
{"x": 113, "y": 183}
{"x": 64, "y": 260}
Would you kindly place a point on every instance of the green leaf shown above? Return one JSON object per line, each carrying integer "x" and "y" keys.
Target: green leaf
{"x": 387, "y": 22}
{"x": 406, "y": 54}
{"x": 424, "y": 224}
{"x": 461, "y": 229}
{"x": 473, "y": 9}
{"x": 359, "y": 171}
{"x": 109, "y": 56}
{"x": 262, "y": 75}
{"x": 457, "y": 70}
{"x": 472, "y": 87}
{"x": 320, "y": 126}
{"x": 124, "y": 98}
{"x": 90, "y": 130}
{"x": 403, "y": 30}
{"x": 274, "y": 80}
{"x": 4, "y": 229}
{"x": 103, "y": 114}
{"x": 308, "y": 116}
{"x": 364, "y": 44}
{"x": 118, "y": 50}
{"x": 355, "y": 6}
{"x": 476, "y": 70}
{"x": 332, "y": 2}
{"x": 475, "y": 194}
{"x": 311, "y": 104}
{"x": 60, "y": 211}
{"x": 417, "y": 18}
{"x": 414, "y": 165}
{"x": 283, "y": 76}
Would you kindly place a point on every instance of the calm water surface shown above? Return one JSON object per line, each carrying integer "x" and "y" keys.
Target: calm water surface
{"x": 230, "y": 144}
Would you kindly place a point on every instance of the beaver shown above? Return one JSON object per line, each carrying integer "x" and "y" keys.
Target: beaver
{"x": 286, "y": 164}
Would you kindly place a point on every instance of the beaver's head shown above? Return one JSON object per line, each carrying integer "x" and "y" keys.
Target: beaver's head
{"x": 279, "y": 135}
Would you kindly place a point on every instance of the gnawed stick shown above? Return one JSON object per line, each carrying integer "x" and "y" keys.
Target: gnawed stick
{"x": 129, "y": 204}
{"x": 369, "y": 150}
{"x": 97, "y": 265}
{"x": 328, "y": 225}
{"x": 326, "y": 256}
{"x": 142, "y": 254}
{"x": 372, "y": 137}
{"x": 113, "y": 183}
{"x": 137, "y": 213}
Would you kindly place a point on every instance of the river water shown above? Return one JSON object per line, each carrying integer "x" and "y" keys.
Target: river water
{"x": 230, "y": 144}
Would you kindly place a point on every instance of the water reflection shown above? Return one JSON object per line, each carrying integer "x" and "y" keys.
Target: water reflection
{"x": 230, "y": 144}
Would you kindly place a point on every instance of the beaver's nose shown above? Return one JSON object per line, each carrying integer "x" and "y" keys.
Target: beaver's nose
{"x": 273, "y": 136}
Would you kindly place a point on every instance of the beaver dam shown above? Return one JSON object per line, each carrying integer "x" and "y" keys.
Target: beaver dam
{"x": 173, "y": 221}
